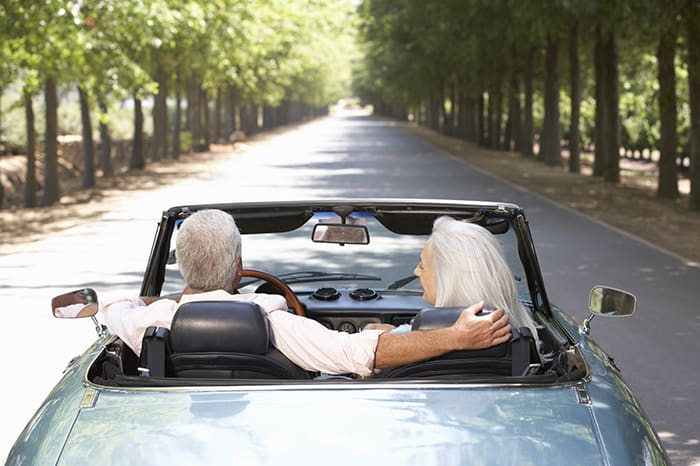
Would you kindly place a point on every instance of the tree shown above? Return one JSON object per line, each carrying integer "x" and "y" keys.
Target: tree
{"x": 105, "y": 140}
{"x": 30, "y": 185}
{"x": 138, "y": 157}
{"x": 611, "y": 96}
{"x": 693, "y": 44}
{"x": 607, "y": 126}
{"x": 668, "y": 171}
{"x": 551, "y": 131}
{"x": 88, "y": 144}
{"x": 575, "y": 95}
{"x": 51, "y": 181}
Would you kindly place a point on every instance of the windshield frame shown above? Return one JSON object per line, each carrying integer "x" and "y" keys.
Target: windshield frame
{"x": 403, "y": 216}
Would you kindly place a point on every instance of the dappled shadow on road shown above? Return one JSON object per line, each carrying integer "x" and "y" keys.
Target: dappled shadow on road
{"x": 680, "y": 448}
{"x": 78, "y": 206}
{"x": 631, "y": 206}
{"x": 21, "y": 226}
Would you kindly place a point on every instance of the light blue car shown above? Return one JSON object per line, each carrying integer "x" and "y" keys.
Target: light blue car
{"x": 212, "y": 390}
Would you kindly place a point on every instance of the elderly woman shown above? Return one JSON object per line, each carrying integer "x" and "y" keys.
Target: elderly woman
{"x": 461, "y": 263}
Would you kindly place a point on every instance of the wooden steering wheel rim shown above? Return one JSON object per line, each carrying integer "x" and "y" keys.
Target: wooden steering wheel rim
{"x": 292, "y": 299}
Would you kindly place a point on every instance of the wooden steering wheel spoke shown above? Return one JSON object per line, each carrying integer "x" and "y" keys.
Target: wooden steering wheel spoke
{"x": 292, "y": 299}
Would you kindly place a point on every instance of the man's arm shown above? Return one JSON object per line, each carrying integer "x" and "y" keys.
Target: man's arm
{"x": 468, "y": 332}
{"x": 152, "y": 299}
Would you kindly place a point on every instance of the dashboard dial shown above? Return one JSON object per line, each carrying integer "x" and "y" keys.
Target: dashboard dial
{"x": 347, "y": 327}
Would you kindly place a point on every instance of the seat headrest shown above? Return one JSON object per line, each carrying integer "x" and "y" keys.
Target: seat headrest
{"x": 219, "y": 326}
{"x": 436, "y": 317}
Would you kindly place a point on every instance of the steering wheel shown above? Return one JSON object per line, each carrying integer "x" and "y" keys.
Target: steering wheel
{"x": 292, "y": 299}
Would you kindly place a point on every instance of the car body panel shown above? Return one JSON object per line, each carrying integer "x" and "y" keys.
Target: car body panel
{"x": 396, "y": 423}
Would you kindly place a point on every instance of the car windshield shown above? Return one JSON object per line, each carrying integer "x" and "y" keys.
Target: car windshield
{"x": 387, "y": 262}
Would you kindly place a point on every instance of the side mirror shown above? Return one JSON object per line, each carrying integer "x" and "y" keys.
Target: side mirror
{"x": 76, "y": 304}
{"x": 608, "y": 302}
{"x": 611, "y": 302}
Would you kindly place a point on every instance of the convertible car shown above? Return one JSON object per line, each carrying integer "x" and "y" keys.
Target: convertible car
{"x": 213, "y": 390}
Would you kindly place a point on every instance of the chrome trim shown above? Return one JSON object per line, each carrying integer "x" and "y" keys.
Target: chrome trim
{"x": 90, "y": 398}
{"x": 582, "y": 396}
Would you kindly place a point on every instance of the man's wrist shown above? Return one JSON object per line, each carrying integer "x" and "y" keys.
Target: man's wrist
{"x": 447, "y": 339}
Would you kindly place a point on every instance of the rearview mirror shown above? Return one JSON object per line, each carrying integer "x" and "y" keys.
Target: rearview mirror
{"x": 76, "y": 304}
{"x": 611, "y": 302}
{"x": 340, "y": 233}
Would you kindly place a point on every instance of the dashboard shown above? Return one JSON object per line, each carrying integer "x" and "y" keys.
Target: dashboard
{"x": 349, "y": 310}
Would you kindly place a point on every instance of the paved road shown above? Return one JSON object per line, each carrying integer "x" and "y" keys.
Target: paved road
{"x": 356, "y": 156}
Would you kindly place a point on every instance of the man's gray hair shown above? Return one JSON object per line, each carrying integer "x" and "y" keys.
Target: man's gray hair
{"x": 208, "y": 249}
{"x": 470, "y": 267}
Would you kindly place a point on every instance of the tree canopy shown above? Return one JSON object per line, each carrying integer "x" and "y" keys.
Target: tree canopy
{"x": 541, "y": 78}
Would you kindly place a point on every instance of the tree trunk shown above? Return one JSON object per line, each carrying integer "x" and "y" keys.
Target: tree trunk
{"x": 471, "y": 118}
{"x": 451, "y": 121}
{"x": 575, "y": 78}
{"x": 88, "y": 144}
{"x": 491, "y": 120}
{"x": 176, "y": 123}
{"x": 30, "y": 178}
{"x": 51, "y": 182}
{"x": 508, "y": 129}
{"x": 529, "y": 119}
{"x": 217, "y": 116}
{"x": 434, "y": 113}
{"x": 137, "y": 160}
{"x": 105, "y": 141}
{"x": 254, "y": 113}
{"x": 693, "y": 25}
{"x": 600, "y": 109}
{"x": 551, "y": 132}
{"x": 246, "y": 121}
{"x": 481, "y": 137}
{"x": 498, "y": 124}
{"x": 232, "y": 104}
{"x": 206, "y": 130}
{"x": 515, "y": 140}
{"x": 461, "y": 116}
{"x": 2, "y": 190}
{"x": 194, "y": 112}
{"x": 668, "y": 171}
{"x": 611, "y": 123}
{"x": 268, "y": 117}
{"x": 159, "y": 141}
{"x": 442, "y": 111}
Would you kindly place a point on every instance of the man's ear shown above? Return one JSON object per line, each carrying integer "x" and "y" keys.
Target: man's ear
{"x": 239, "y": 273}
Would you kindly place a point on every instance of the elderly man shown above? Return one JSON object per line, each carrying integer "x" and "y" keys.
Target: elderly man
{"x": 208, "y": 249}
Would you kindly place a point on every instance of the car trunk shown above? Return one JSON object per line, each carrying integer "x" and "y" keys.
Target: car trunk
{"x": 336, "y": 425}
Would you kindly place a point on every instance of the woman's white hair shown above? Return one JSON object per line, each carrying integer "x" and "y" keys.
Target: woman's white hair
{"x": 208, "y": 250}
{"x": 469, "y": 267}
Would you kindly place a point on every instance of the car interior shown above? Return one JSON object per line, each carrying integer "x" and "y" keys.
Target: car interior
{"x": 228, "y": 343}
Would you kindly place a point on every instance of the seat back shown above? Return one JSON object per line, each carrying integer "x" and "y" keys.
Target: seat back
{"x": 225, "y": 339}
{"x": 510, "y": 359}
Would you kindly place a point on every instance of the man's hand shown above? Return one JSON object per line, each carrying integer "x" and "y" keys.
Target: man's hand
{"x": 477, "y": 332}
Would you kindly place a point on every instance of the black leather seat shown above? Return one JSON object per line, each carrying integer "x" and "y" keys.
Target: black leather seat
{"x": 508, "y": 359}
{"x": 225, "y": 339}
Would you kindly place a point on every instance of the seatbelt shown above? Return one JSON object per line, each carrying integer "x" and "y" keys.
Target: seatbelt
{"x": 153, "y": 350}
{"x": 520, "y": 352}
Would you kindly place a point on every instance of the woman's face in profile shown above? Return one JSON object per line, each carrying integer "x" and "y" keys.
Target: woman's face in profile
{"x": 424, "y": 270}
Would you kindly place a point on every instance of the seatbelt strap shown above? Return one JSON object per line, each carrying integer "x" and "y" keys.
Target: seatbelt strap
{"x": 153, "y": 349}
{"x": 520, "y": 352}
